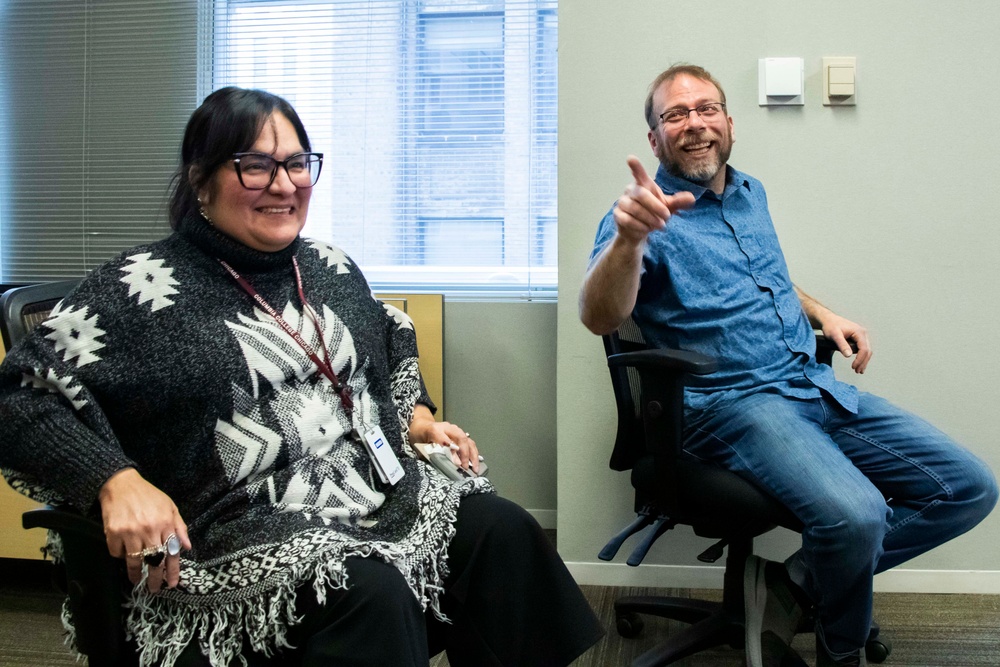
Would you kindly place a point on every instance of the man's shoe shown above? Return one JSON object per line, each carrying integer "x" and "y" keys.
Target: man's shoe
{"x": 772, "y": 614}
{"x": 823, "y": 658}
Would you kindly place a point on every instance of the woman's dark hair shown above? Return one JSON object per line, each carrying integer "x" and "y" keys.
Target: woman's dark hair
{"x": 228, "y": 121}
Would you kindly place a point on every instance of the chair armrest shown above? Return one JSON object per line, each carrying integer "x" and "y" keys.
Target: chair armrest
{"x": 661, "y": 375}
{"x": 63, "y": 521}
{"x": 658, "y": 376}
{"x": 697, "y": 363}
{"x": 673, "y": 360}
{"x": 825, "y": 348}
{"x": 96, "y": 585}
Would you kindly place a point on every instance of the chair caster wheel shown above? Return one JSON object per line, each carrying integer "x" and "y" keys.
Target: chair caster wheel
{"x": 628, "y": 624}
{"x": 877, "y": 651}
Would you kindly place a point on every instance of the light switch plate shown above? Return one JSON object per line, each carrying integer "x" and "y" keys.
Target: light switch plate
{"x": 840, "y": 81}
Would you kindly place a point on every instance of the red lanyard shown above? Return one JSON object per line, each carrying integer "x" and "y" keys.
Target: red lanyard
{"x": 324, "y": 366}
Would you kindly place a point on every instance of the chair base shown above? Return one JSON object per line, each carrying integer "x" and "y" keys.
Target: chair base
{"x": 711, "y": 625}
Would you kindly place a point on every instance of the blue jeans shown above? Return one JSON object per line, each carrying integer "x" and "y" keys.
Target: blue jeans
{"x": 872, "y": 491}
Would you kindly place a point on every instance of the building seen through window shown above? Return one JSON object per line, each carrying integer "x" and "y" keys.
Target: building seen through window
{"x": 438, "y": 125}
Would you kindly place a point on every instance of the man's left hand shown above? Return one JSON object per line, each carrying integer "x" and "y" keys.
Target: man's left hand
{"x": 843, "y": 332}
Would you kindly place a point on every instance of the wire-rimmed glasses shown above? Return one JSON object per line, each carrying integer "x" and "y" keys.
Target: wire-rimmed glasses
{"x": 706, "y": 111}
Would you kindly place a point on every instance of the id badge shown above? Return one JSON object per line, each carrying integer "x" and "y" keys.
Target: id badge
{"x": 386, "y": 463}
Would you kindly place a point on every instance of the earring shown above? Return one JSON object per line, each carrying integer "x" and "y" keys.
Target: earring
{"x": 203, "y": 212}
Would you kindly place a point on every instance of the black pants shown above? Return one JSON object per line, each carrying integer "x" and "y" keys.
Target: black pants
{"x": 511, "y": 601}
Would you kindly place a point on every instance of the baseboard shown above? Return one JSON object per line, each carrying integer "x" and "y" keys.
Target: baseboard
{"x": 939, "y": 581}
{"x": 545, "y": 518}
{"x": 699, "y": 576}
{"x": 659, "y": 576}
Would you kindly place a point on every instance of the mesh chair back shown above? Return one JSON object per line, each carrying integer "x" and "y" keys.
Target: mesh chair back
{"x": 24, "y": 308}
{"x": 628, "y": 395}
{"x": 95, "y": 582}
{"x": 33, "y": 315}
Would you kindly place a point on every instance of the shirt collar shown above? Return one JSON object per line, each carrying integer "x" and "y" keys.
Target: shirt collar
{"x": 671, "y": 184}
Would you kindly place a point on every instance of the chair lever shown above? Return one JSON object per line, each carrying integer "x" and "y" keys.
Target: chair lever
{"x": 714, "y": 552}
{"x": 614, "y": 544}
{"x": 662, "y": 525}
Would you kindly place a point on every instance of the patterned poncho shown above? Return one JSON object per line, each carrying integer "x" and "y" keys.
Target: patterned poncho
{"x": 158, "y": 360}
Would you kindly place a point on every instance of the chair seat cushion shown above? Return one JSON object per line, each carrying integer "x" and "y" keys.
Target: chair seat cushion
{"x": 714, "y": 501}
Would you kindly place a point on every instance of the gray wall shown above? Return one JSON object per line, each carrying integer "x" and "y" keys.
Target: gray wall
{"x": 500, "y": 385}
{"x": 885, "y": 212}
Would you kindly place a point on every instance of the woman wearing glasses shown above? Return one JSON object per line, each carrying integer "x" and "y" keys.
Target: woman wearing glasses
{"x": 239, "y": 409}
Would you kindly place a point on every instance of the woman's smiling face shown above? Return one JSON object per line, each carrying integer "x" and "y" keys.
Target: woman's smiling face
{"x": 268, "y": 219}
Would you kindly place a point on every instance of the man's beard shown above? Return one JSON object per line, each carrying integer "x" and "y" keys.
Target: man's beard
{"x": 703, "y": 170}
{"x": 700, "y": 174}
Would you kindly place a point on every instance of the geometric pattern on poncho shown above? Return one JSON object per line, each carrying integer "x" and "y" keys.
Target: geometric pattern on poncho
{"x": 148, "y": 278}
{"x": 75, "y": 334}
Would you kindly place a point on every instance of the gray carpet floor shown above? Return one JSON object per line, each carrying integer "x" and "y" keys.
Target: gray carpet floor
{"x": 925, "y": 630}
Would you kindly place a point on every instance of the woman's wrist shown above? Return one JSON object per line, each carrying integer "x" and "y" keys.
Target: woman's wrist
{"x": 420, "y": 430}
{"x": 122, "y": 476}
{"x": 420, "y": 423}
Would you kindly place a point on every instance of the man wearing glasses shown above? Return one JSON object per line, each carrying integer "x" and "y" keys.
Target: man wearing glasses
{"x": 693, "y": 258}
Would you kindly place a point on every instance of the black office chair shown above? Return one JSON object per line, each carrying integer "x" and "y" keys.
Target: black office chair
{"x": 23, "y": 308}
{"x": 95, "y": 583}
{"x": 671, "y": 490}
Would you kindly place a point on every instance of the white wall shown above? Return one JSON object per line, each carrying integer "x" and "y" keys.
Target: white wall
{"x": 886, "y": 213}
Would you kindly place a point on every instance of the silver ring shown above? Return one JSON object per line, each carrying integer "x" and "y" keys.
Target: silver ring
{"x": 154, "y": 555}
{"x": 172, "y": 545}
{"x": 467, "y": 435}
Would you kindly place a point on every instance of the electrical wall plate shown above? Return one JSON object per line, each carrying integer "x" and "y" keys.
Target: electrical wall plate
{"x": 781, "y": 81}
{"x": 840, "y": 81}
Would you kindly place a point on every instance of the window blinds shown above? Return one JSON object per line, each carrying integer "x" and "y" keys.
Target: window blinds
{"x": 95, "y": 98}
{"x": 437, "y": 120}
{"x": 438, "y": 123}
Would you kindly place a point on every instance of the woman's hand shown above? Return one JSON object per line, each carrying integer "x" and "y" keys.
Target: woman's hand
{"x": 138, "y": 516}
{"x": 424, "y": 428}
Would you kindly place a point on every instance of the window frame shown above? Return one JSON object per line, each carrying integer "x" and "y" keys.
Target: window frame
{"x": 525, "y": 279}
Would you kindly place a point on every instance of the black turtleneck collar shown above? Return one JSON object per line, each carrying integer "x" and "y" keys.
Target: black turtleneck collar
{"x": 214, "y": 243}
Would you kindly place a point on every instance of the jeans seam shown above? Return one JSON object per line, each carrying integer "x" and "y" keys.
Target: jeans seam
{"x": 916, "y": 464}
{"x": 745, "y": 469}
{"x": 916, "y": 515}
{"x": 711, "y": 435}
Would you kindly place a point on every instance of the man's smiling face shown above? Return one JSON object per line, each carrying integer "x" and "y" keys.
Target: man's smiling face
{"x": 694, "y": 149}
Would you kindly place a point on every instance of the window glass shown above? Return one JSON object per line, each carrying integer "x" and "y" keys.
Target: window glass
{"x": 437, "y": 121}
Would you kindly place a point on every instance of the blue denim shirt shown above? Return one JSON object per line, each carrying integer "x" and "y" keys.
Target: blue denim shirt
{"x": 715, "y": 281}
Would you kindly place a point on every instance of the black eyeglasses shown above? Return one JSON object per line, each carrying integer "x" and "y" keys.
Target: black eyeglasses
{"x": 679, "y": 114}
{"x": 256, "y": 171}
